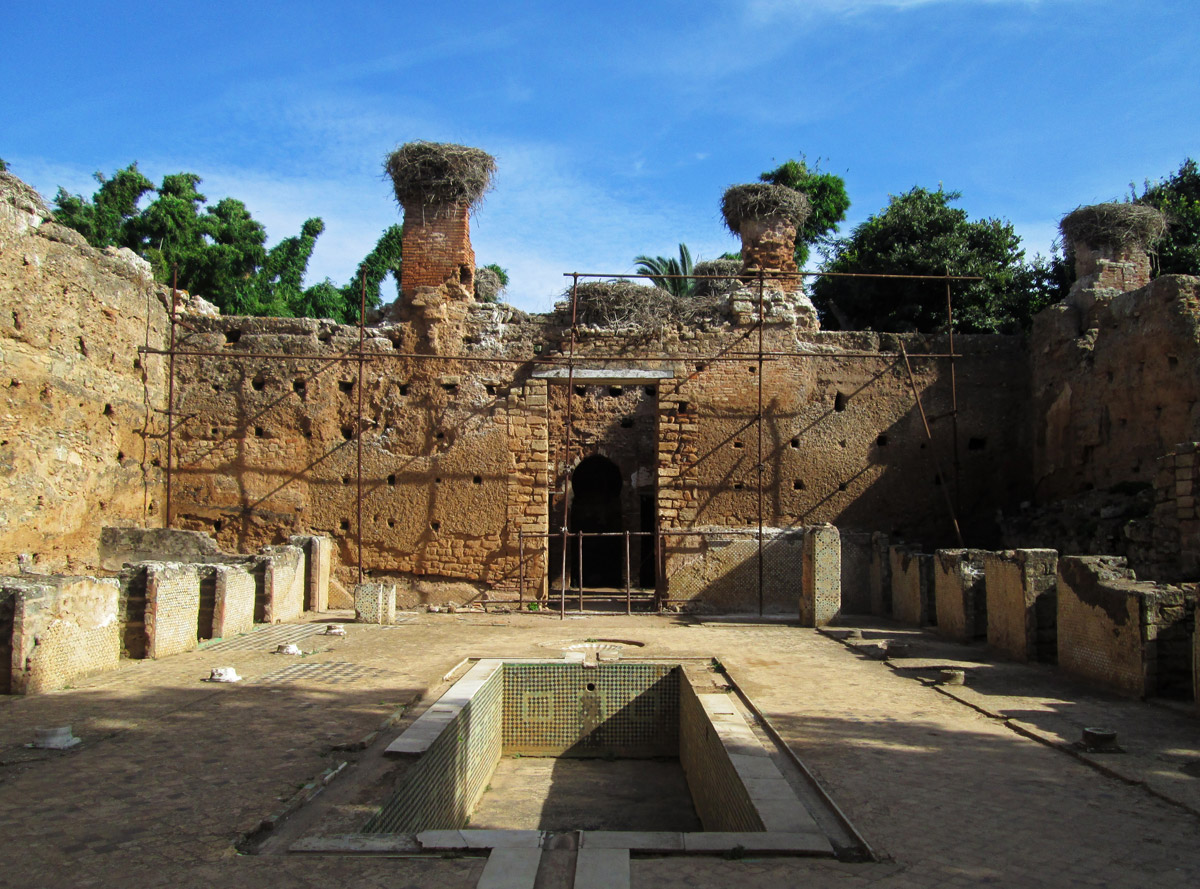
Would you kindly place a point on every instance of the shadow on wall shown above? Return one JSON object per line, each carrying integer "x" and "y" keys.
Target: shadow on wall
{"x": 858, "y": 456}
{"x": 718, "y": 571}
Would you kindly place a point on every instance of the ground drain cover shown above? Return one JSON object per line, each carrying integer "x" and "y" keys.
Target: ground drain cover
{"x": 330, "y": 671}
{"x": 268, "y": 638}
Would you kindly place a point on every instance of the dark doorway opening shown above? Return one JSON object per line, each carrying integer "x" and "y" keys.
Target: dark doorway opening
{"x": 133, "y": 636}
{"x": 648, "y": 567}
{"x": 208, "y": 604}
{"x": 8, "y": 607}
{"x": 596, "y": 508}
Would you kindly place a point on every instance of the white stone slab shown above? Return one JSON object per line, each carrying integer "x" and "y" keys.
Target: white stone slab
{"x": 641, "y": 840}
{"x": 510, "y": 869}
{"x": 602, "y": 869}
{"x": 794, "y": 843}
{"x": 784, "y": 816}
{"x": 769, "y": 788}
{"x": 502, "y": 839}
{"x": 753, "y": 766}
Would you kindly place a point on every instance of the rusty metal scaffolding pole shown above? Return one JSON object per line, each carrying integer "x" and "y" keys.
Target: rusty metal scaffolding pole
{"x": 761, "y": 355}
{"x": 953, "y": 401}
{"x": 567, "y": 448}
{"x": 775, "y": 274}
{"x": 628, "y": 579}
{"x": 167, "y": 517}
{"x": 937, "y": 463}
{"x": 362, "y": 336}
{"x": 768, "y": 354}
{"x": 759, "y": 424}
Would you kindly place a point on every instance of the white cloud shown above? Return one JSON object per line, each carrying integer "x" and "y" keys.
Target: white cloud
{"x": 545, "y": 219}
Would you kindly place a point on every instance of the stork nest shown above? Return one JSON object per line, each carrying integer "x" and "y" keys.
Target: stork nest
{"x": 711, "y": 286}
{"x": 433, "y": 174}
{"x": 762, "y": 201}
{"x": 625, "y": 305}
{"x": 1116, "y": 224}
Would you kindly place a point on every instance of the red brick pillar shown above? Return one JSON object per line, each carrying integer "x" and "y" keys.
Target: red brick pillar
{"x": 1112, "y": 266}
{"x": 769, "y": 245}
{"x": 1111, "y": 243}
{"x": 766, "y": 218}
{"x": 437, "y": 247}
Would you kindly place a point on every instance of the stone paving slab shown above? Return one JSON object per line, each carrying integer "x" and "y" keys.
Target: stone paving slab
{"x": 1159, "y": 745}
{"x": 602, "y": 869}
{"x": 174, "y": 772}
{"x": 511, "y": 869}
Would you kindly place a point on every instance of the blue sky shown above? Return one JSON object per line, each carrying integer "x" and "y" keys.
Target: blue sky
{"x": 616, "y": 125}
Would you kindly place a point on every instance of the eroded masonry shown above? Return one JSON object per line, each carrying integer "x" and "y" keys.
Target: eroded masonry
{"x": 622, "y": 451}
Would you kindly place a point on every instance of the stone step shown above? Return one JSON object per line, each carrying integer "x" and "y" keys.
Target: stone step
{"x": 602, "y": 869}
{"x": 512, "y": 869}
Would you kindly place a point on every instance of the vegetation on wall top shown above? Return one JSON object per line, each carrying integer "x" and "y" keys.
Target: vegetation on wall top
{"x": 437, "y": 174}
{"x": 762, "y": 201}
{"x": 219, "y": 251}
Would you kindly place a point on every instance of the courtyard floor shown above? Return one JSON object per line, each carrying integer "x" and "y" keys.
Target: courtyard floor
{"x": 951, "y": 786}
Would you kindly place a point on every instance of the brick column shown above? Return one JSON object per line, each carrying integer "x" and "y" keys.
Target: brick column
{"x": 528, "y": 480}
{"x": 436, "y": 247}
{"x": 769, "y": 245}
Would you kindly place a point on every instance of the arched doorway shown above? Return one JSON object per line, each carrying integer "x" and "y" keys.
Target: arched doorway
{"x": 596, "y": 507}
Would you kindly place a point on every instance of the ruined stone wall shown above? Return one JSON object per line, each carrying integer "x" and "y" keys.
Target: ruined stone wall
{"x": 453, "y": 452}
{"x": 1101, "y": 636}
{"x": 284, "y": 583}
{"x": 912, "y": 586}
{"x": 63, "y": 628}
{"x": 172, "y": 608}
{"x": 80, "y": 427}
{"x": 233, "y": 601}
{"x": 1021, "y": 606}
{"x": 880, "y": 575}
{"x": 1115, "y": 387}
{"x": 960, "y": 594}
{"x": 842, "y": 440}
{"x": 457, "y": 455}
{"x": 1127, "y": 635}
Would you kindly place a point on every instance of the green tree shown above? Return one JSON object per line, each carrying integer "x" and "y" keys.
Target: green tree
{"x": 327, "y": 300}
{"x": 827, "y": 198}
{"x": 920, "y": 233}
{"x": 668, "y": 272}
{"x": 104, "y": 218}
{"x": 1178, "y": 196}
{"x": 219, "y": 252}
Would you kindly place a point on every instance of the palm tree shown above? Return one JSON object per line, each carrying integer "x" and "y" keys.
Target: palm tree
{"x": 669, "y": 273}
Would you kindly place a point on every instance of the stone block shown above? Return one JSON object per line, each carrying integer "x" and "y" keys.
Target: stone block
{"x": 960, "y": 594}
{"x": 1109, "y": 625}
{"x": 233, "y": 609}
{"x": 375, "y": 603}
{"x": 880, "y": 576}
{"x": 912, "y": 586}
{"x": 821, "y": 576}
{"x": 1021, "y": 606}
{"x": 64, "y": 628}
{"x": 282, "y": 569}
{"x": 172, "y": 608}
{"x": 318, "y": 565}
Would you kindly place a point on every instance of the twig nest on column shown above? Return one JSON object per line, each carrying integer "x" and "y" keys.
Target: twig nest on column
{"x": 761, "y": 201}
{"x": 729, "y": 268}
{"x": 623, "y": 304}
{"x": 434, "y": 174}
{"x": 1115, "y": 224}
